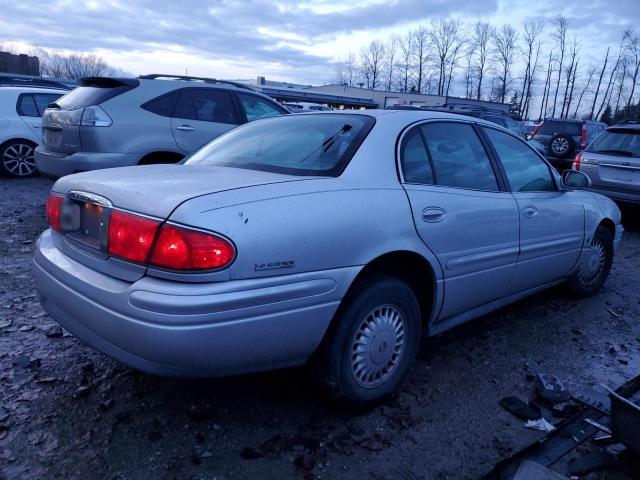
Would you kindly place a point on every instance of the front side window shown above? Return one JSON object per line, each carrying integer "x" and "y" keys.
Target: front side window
{"x": 255, "y": 107}
{"x": 525, "y": 171}
{"x": 458, "y": 157}
{"x": 206, "y": 105}
{"x": 319, "y": 145}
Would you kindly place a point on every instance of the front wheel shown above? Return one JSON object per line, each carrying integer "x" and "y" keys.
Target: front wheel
{"x": 17, "y": 159}
{"x": 594, "y": 266}
{"x": 369, "y": 349}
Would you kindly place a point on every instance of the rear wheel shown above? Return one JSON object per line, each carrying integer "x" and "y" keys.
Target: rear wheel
{"x": 594, "y": 266}
{"x": 561, "y": 145}
{"x": 375, "y": 339}
{"x": 17, "y": 159}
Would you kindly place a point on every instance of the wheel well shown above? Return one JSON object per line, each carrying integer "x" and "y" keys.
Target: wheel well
{"x": 160, "y": 157}
{"x": 13, "y": 140}
{"x": 609, "y": 225}
{"x": 407, "y": 266}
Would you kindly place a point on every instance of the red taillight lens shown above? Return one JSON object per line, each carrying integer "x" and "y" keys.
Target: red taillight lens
{"x": 54, "y": 210}
{"x": 583, "y": 136}
{"x": 535, "y": 130}
{"x": 182, "y": 249}
{"x": 130, "y": 236}
{"x": 576, "y": 161}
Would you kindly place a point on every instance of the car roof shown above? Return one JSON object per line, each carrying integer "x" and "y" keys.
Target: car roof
{"x": 20, "y": 89}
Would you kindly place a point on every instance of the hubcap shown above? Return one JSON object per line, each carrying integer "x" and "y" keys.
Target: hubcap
{"x": 560, "y": 145}
{"x": 378, "y": 346}
{"x": 18, "y": 160}
{"x": 592, "y": 264}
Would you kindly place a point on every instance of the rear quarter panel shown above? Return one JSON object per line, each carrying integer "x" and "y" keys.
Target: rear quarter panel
{"x": 597, "y": 208}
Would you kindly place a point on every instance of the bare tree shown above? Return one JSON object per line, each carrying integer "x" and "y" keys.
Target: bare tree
{"x": 372, "y": 58}
{"x": 569, "y": 73}
{"x": 597, "y": 91}
{"x": 468, "y": 76}
{"x": 504, "y": 46}
{"x": 391, "y": 52}
{"x": 532, "y": 30}
{"x": 532, "y": 79}
{"x": 405, "y": 45}
{"x": 546, "y": 93}
{"x": 446, "y": 41}
{"x": 481, "y": 38}
{"x": 572, "y": 80}
{"x": 346, "y": 69}
{"x": 606, "y": 100}
{"x": 560, "y": 34}
{"x": 420, "y": 55}
{"x": 621, "y": 77}
{"x": 632, "y": 45}
{"x": 592, "y": 72}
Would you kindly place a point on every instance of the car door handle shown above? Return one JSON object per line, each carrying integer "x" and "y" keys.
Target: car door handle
{"x": 433, "y": 214}
{"x": 185, "y": 128}
{"x": 530, "y": 212}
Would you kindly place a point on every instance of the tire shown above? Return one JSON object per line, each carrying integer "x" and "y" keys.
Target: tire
{"x": 594, "y": 268}
{"x": 561, "y": 145}
{"x": 17, "y": 159}
{"x": 372, "y": 342}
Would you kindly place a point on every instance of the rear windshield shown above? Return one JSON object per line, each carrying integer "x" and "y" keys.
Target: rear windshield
{"x": 86, "y": 96}
{"x": 625, "y": 143}
{"x": 319, "y": 145}
{"x": 551, "y": 127}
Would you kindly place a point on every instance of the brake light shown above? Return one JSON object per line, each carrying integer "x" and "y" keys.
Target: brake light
{"x": 53, "y": 208}
{"x": 583, "y": 136}
{"x": 576, "y": 161}
{"x": 131, "y": 236}
{"x": 535, "y": 130}
{"x": 183, "y": 249}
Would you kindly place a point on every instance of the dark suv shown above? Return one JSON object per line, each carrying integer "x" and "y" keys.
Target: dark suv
{"x": 562, "y": 139}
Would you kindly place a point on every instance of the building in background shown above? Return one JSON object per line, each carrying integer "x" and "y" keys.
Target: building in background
{"x": 20, "y": 64}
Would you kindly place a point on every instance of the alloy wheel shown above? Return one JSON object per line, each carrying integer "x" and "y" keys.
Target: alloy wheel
{"x": 560, "y": 145}
{"x": 19, "y": 160}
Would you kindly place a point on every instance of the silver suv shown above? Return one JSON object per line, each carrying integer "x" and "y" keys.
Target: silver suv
{"x": 116, "y": 122}
{"x": 612, "y": 162}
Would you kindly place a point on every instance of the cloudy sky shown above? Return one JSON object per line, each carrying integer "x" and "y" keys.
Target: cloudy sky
{"x": 281, "y": 39}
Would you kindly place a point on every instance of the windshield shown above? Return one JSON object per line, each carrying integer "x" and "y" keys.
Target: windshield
{"x": 319, "y": 145}
{"x": 623, "y": 142}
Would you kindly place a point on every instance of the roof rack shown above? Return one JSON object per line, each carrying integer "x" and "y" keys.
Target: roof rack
{"x": 8, "y": 81}
{"x": 154, "y": 76}
{"x": 468, "y": 106}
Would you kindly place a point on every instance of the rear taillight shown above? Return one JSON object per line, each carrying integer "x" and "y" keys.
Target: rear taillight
{"x": 54, "y": 211}
{"x": 131, "y": 236}
{"x": 535, "y": 130}
{"x": 576, "y": 161}
{"x": 583, "y": 136}
{"x": 183, "y": 249}
{"x": 137, "y": 238}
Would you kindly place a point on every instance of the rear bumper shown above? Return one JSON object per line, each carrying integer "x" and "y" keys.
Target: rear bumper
{"x": 201, "y": 329}
{"x": 52, "y": 164}
{"x": 617, "y": 195}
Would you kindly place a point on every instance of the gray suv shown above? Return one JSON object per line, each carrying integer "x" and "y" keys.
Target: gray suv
{"x": 562, "y": 138}
{"x": 116, "y": 122}
{"x": 612, "y": 162}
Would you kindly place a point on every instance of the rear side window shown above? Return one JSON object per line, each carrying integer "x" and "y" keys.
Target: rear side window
{"x": 416, "y": 167}
{"x": 458, "y": 157}
{"x": 497, "y": 120}
{"x": 255, "y": 107}
{"x": 163, "y": 105}
{"x": 206, "y": 105}
{"x": 27, "y": 106}
{"x": 319, "y": 145}
{"x": 525, "y": 171}
{"x": 621, "y": 142}
{"x": 551, "y": 127}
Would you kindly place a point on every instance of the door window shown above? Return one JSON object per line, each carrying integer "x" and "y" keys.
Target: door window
{"x": 458, "y": 157}
{"x": 255, "y": 107}
{"x": 525, "y": 170}
{"x": 206, "y": 105}
{"x": 416, "y": 167}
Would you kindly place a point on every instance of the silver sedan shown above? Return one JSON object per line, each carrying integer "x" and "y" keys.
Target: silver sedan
{"x": 340, "y": 238}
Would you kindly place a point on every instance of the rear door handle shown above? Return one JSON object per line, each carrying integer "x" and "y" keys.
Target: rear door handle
{"x": 185, "y": 128}
{"x": 433, "y": 214}
{"x": 530, "y": 212}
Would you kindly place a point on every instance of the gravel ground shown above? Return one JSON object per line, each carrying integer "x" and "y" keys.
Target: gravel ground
{"x": 69, "y": 412}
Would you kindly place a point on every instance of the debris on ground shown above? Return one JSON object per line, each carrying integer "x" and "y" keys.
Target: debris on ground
{"x": 549, "y": 389}
{"x": 540, "y": 424}
{"x": 592, "y": 462}
{"x": 520, "y": 409}
{"x": 530, "y": 470}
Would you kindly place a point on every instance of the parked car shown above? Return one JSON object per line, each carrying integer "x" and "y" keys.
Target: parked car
{"x": 299, "y": 107}
{"x": 612, "y": 162}
{"x": 563, "y": 138}
{"x": 115, "y": 122}
{"x": 21, "y": 110}
{"x": 335, "y": 237}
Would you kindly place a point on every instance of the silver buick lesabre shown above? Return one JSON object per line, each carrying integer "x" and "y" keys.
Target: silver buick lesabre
{"x": 338, "y": 237}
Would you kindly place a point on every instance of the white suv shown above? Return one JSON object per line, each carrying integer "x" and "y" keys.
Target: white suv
{"x": 21, "y": 110}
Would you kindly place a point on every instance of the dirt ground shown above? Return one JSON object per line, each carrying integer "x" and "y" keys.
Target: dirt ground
{"x": 69, "y": 412}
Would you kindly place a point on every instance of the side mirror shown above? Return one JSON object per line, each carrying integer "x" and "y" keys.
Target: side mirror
{"x": 575, "y": 179}
{"x": 528, "y": 136}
